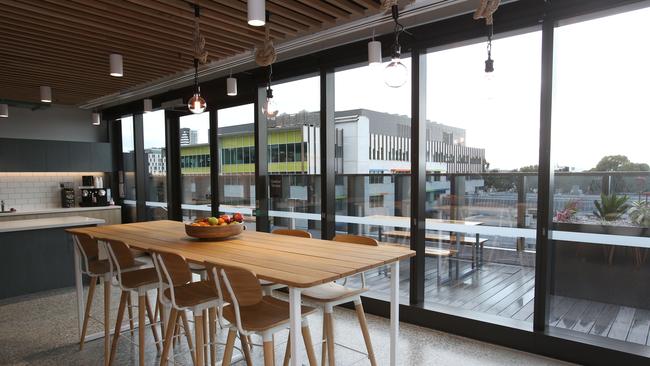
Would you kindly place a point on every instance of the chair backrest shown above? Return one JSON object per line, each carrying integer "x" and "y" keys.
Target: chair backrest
{"x": 235, "y": 284}
{"x": 356, "y": 239}
{"x": 177, "y": 268}
{"x": 120, "y": 257}
{"x": 88, "y": 248}
{"x": 292, "y": 232}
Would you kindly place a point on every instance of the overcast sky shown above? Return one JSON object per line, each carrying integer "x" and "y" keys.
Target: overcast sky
{"x": 601, "y": 100}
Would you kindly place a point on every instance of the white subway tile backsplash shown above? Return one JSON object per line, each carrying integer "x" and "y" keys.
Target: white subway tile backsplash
{"x": 34, "y": 191}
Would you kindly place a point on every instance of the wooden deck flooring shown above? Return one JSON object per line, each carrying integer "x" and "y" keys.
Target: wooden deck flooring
{"x": 508, "y": 291}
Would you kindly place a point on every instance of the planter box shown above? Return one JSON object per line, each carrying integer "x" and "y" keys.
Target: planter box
{"x": 604, "y": 273}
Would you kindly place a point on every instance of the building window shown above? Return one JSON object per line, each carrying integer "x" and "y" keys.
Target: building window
{"x": 376, "y": 201}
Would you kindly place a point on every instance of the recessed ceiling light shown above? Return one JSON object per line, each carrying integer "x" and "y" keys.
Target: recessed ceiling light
{"x": 256, "y": 13}
{"x": 117, "y": 69}
{"x": 46, "y": 94}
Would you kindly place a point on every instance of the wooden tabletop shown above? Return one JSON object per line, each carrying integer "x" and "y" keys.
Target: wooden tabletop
{"x": 432, "y": 221}
{"x": 297, "y": 262}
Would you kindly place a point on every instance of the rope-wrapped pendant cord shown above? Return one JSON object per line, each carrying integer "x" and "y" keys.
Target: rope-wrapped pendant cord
{"x": 199, "y": 43}
{"x": 486, "y": 10}
{"x": 265, "y": 55}
{"x": 388, "y": 4}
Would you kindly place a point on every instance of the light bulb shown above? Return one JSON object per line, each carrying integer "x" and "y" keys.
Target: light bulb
{"x": 270, "y": 109}
{"x": 395, "y": 73}
{"x": 196, "y": 104}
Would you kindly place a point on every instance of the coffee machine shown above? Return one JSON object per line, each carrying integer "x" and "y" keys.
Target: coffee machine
{"x": 92, "y": 197}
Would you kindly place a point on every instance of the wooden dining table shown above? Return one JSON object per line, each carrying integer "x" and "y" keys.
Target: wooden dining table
{"x": 298, "y": 263}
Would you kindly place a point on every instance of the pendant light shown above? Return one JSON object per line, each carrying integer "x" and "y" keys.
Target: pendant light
{"x": 486, "y": 11}
{"x": 374, "y": 52}
{"x": 97, "y": 119}
{"x": 116, "y": 64}
{"x": 231, "y": 85}
{"x": 270, "y": 107}
{"x": 396, "y": 73}
{"x": 148, "y": 105}
{"x": 4, "y": 110}
{"x": 197, "y": 104}
{"x": 46, "y": 94}
{"x": 256, "y": 13}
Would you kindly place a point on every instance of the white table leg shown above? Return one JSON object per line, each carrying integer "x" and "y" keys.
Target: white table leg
{"x": 394, "y": 312}
{"x": 78, "y": 281}
{"x": 295, "y": 320}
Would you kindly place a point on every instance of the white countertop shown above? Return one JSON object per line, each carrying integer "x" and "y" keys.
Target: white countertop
{"x": 49, "y": 223}
{"x": 58, "y": 210}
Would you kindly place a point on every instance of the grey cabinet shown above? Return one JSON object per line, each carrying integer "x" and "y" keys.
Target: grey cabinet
{"x": 22, "y": 155}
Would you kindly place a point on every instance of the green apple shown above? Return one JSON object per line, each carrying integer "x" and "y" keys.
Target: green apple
{"x": 213, "y": 221}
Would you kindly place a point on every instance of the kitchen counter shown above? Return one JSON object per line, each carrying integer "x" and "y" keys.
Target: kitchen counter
{"x": 57, "y": 210}
{"x": 37, "y": 254}
{"x": 49, "y": 223}
{"x": 110, "y": 214}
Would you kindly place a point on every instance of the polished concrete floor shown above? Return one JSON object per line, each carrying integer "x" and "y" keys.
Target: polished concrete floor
{"x": 41, "y": 329}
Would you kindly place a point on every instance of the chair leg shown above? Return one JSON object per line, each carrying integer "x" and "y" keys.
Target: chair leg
{"x": 89, "y": 303}
{"x": 212, "y": 326}
{"x": 198, "y": 337}
{"x": 230, "y": 344}
{"x": 107, "y": 318}
{"x": 246, "y": 347}
{"x": 324, "y": 342}
{"x": 152, "y": 323}
{"x": 364, "y": 329}
{"x": 309, "y": 345}
{"x": 167, "y": 344}
{"x": 141, "y": 328}
{"x": 330, "y": 337}
{"x": 130, "y": 309}
{"x": 269, "y": 351}
{"x": 188, "y": 335}
{"x": 287, "y": 352}
{"x": 118, "y": 326}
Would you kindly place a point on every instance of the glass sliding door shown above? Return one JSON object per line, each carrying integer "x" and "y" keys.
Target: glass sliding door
{"x": 294, "y": 156}
{"x": 155, "y": 159}
{"x": 126, "y": 177}
{"x": 372, "y": 164}
{"x": 600, "y": 266}
{"x": 195, "y": 188}
{"x": 482, "y": 143}
{"x": 236, "y": 159}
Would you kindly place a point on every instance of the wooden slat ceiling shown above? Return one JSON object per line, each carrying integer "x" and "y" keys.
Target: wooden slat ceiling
{"x": 65, "y": 44}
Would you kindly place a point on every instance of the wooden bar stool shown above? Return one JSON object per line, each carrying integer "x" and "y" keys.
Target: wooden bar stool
{"x": 249, "y": 312}
{"x": 331, "y": 294}
{"x": 268, "y": 287}
{"x": 180, "y": 294}
{"x": 139, "y": 281}
{"x": 96, "y": 268}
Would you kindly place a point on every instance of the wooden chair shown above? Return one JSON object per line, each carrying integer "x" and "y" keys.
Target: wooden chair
{"x": 180, "y": 294}
{"x": 331, "y": 294}
{"x": 250, "y": 312}
{"x": 140, "y": 281}
{"x": 97, "y": 269}
{"x": 268, "y": 287}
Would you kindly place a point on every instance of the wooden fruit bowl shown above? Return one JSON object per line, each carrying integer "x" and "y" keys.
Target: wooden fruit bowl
{"x": 214, "y": 232}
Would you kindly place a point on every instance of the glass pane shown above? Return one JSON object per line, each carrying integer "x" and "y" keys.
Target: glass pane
{"x": 155, "y": 158}
{"x": 482, "y": 153}
{"x": 127, "y": 179}
{"x": 195, "y": 178}
{"x": 601, "y": 203}
{"x": 372, "y": 181}
{"x": 294, "y": 186}
{"x": 236, "y": 174}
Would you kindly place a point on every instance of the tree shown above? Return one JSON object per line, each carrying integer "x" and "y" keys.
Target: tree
{"x": 611, "y": 163}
